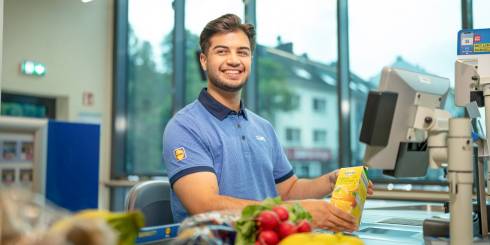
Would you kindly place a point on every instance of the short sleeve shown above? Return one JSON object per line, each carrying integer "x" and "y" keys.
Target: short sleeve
{"x": 184, "y": 151}
{"x": 282, "y": 167}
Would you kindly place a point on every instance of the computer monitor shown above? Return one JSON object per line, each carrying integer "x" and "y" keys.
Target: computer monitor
{"x": 392, "y": 129}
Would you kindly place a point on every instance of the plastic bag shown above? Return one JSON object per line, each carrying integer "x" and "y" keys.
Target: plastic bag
{"x": 214, "y": 228}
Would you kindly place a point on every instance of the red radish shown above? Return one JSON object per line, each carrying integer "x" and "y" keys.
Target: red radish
{"x": 303, "y": 226}
{"x": 267, "y": 220}
{"x": 268, "y": 238}
{"x": 281, "y": 212}
{"x": 285, "y": 229}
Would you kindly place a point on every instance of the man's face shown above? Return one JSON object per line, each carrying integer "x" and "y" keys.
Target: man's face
{"x": 228, "y": 60}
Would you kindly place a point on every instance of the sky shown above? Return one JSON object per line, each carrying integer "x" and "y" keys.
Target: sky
{"x": 423, "y": 32}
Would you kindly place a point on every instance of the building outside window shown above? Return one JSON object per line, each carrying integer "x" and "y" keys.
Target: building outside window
{"x": 319, "y": 105}
{"x": 319, "y": 136}
{"x": 295, "y": 102}
{"x": 297, "y": 56}
{"x": 293, "y": 135}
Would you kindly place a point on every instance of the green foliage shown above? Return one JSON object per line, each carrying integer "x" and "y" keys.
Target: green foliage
{"x": 274, "y": 92}
{"x": 194, "y": 82}
{"x": 298, "y": 213}
{"x": 149, "y": 108}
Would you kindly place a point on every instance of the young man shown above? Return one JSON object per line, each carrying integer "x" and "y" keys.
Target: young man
{"x": 220, "y": 155}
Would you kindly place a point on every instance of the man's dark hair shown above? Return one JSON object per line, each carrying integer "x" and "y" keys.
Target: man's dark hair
{"x": 225, "y": 24}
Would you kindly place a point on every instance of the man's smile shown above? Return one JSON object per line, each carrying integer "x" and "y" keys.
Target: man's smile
{"x": 232, "y": 73}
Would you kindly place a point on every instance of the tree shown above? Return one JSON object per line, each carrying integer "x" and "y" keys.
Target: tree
{"x": 274, "y": 93}
{"x": 149, "y": 108}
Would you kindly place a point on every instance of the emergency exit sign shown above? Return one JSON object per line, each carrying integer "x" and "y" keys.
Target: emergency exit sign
{"x": 32, "y": 68}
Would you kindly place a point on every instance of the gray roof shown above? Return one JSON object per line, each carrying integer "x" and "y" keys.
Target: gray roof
{"x": 306, "y": 71}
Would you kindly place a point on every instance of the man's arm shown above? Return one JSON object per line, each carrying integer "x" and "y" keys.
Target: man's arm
{"x": 296, "y": 189}
{"x": 199, "y": 192}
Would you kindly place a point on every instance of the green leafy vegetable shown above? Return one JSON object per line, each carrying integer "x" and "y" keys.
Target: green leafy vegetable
{"x": 246, "y": 226}
{"x": 298, "y": 213}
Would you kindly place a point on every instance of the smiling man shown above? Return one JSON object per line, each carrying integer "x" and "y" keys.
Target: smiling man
{"x": 219, "y": 155}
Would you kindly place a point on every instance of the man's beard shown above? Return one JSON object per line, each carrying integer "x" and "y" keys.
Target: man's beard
{"x": 227, "y": 87}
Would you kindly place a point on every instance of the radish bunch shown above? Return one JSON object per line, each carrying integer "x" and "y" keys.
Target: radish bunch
{"x": 269, "y": 222}
{"x": 274, "y": 225}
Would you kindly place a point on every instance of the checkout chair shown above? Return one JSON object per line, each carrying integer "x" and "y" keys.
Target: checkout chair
{"x": 152, "y": 198}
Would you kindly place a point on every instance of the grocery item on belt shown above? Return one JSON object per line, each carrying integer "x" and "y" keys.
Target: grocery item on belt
{"x": 350, "y": 191}
{"x": 271, "y": 221}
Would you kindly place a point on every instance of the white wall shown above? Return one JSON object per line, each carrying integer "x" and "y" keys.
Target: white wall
{"x": 74, "y": 41}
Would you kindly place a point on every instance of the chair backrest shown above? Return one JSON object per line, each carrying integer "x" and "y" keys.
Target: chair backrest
{"x": 153, "y": 199}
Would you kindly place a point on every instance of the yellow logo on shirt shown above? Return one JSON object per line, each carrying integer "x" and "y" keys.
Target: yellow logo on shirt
{"x": 179, "y": 154}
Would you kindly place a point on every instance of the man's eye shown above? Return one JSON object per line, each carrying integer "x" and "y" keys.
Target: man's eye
{"x": 243, "y": 53}
{"x": 221, "y": 52}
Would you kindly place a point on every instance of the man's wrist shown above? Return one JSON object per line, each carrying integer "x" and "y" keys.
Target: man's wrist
{"x": 331, "y": 179}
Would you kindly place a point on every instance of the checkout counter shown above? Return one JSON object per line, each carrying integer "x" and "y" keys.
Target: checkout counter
{"x": 383, "y": 223}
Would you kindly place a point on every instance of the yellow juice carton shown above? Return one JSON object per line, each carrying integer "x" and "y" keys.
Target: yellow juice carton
{"x": 350, "y": 191}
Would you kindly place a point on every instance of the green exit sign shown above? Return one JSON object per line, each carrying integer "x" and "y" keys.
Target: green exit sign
{"x": 32, "y": 68}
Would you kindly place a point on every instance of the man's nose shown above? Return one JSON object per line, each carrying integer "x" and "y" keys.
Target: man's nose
{"x": 233, "y": 59}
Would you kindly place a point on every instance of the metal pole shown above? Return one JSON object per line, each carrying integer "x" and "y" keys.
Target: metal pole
{"x": 251, "y": 89}
{"x": 467, "y": 14}
{"x": 179, "y": 77}
{"x": 460, "y": 178}
{"x": 343, "y": 78}
{"x": 119, "y": 90}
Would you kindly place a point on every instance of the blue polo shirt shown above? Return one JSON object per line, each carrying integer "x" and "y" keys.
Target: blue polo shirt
{"x": 240, "y": 148}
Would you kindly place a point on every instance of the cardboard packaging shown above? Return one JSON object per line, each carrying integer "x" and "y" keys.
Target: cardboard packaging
{"x": 350, "y": 191}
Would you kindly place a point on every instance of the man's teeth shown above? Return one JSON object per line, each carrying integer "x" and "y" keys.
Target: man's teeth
{"x": 232, "y": 72}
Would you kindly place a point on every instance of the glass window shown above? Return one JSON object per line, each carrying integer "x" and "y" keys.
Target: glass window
{"x": 197, "y": 15}
{"x": 481, "y": 19}
{"x": 297, "y": 56}
{"x": 404, "y": 34}
{"x": 149, "y": 83}
{"x": 319, "y": 136}
{"x": 294, "y": 102}
{"x": 293, "y": 135}
{"x": 319, "y": 105}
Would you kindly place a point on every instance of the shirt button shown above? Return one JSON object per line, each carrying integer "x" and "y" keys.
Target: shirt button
{"x": 238, "y": 125}
{"x": 243, "y": 137}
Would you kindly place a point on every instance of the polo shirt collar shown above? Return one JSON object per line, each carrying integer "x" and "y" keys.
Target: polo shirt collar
{"x": 217, "y": 109}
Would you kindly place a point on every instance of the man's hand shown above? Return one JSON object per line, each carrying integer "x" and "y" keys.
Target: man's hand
{"x": 327, "y": 216}
{"x": 332, "y": 179}
{"x": 370, "y": 190}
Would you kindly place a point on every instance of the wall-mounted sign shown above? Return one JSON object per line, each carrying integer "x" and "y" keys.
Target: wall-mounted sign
{"x": 32, "y": 68}
{"x": 88, "y": 98}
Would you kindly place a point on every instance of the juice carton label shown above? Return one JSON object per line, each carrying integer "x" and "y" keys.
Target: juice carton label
{"x": 350, "y": 191}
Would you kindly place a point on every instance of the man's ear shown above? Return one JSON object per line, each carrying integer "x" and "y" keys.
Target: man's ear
{"x": 204, "y": 61}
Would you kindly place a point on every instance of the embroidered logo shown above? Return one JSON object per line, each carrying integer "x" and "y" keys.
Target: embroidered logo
{"x": 179, "y": 154}
{"x": 260, "y": 138}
